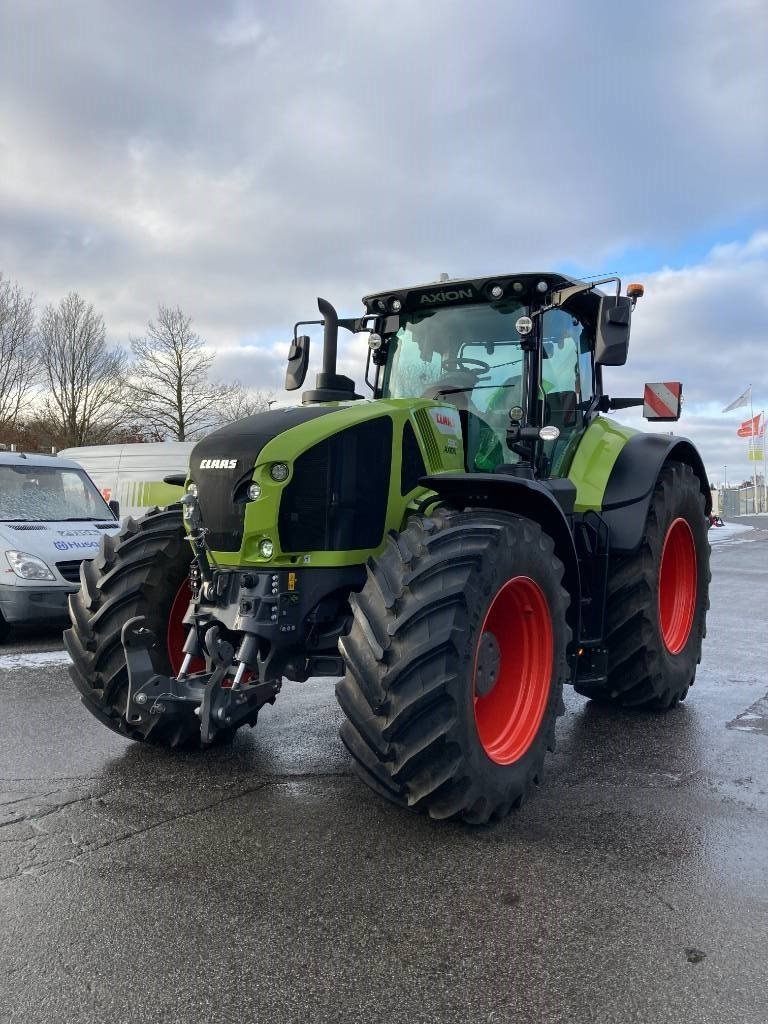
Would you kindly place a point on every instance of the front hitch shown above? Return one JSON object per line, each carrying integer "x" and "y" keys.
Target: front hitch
{"x": 218, "y": 707}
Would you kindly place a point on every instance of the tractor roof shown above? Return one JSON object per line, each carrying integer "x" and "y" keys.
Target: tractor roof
{"x": 525, "y": 287}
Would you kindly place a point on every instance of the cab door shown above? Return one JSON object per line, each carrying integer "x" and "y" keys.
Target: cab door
{"x": 566, "y": 387}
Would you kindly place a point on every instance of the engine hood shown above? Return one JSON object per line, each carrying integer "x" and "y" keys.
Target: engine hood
{"x": 242, "y": 440}
{"x": 221, "y": 459}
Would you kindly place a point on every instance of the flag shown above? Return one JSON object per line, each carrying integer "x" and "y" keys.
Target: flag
{"x": 740, "y": 401}
{"x": 751, "y": 428}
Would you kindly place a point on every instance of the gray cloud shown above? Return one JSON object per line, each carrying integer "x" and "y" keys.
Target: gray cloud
{"x": 241, "y": 159}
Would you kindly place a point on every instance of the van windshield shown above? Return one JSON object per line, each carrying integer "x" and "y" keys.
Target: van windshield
{"x": 49, "y": 494}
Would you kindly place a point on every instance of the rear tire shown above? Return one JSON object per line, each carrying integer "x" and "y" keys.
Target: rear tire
{"x": 657, "y": 601}
{"x": 455, "y": 665}
{"x": 138, "y": 572}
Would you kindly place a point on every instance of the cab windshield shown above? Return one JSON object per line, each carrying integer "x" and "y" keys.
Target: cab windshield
{"x": 468, "y": 354}
{"x": 47, "y": 494}
{"x": 471, "y": 357}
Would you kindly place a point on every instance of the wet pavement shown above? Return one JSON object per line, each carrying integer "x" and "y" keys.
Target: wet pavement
{"x": 264, "y": 882}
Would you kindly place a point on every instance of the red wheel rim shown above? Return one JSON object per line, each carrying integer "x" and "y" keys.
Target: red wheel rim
{"x": 677, "y": 586}
{"x": 176, "y": 633}
{"x": 508, "y": 717}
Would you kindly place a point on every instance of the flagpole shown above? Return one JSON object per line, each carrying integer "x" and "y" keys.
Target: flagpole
{"x": 754, "y": 466}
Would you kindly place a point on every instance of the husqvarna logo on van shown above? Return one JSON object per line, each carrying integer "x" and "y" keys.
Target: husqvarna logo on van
{"x": 218, "y": 464}
{"x": 446, "y": 420}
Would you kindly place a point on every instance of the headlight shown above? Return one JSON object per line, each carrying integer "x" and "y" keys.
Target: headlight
{"x": 254, "y": 492}
{"x": 279, "y": 471}
{"x": 28, "y": 567}
{"x": 266, "y": 549}
{"x": 192, "y": 489}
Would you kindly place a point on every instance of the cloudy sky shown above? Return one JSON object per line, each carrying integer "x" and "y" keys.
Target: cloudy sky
{"x": 239, "y": 159}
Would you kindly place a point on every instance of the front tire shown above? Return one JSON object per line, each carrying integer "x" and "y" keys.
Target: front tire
{"x": 142, "y": 571}
{"x": 455, "y": 665}
{"x": 657, "y": 601}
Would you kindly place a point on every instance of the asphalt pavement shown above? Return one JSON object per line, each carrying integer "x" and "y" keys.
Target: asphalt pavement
{"x": 264, "y": 882}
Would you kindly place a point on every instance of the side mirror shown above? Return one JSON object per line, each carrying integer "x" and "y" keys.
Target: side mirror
{"x": 662, "y": 403}
{"x": 298, "y": 361}
{"x": 612, "y": 336}
{"x": 114, "y": 507}
{"x": 175, "y": 479}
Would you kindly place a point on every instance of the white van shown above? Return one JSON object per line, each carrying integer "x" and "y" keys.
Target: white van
{"x": 133, "y": 474}
{"x": 51, "y": 518}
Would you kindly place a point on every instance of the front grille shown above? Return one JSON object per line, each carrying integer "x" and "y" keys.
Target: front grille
{"x": 239, "y": 443}
{"x": 70, "y": 570}
{"x": 337, "y": 497}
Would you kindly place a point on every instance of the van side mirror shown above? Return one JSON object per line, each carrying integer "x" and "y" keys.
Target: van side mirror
{"x": 114, "y": 507}
{"x": 662, "y": 403}
{"x": 298, "y": 361}
{"x": 612, "y": 336}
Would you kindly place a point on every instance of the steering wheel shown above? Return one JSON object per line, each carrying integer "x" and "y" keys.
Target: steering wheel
{"x": 465, "y": 363}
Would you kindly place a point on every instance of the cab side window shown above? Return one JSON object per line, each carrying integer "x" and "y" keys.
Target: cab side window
{"x": 567, "y": 384}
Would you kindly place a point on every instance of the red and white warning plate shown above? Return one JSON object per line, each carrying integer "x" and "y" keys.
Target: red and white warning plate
{"x": 663, "y": 401}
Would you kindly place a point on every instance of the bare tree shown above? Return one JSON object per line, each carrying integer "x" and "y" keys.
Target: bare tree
{"x": 168, "y": 386}
{"x": 18, "y": 356}
{"x": 84, "y": 376}
{"x": 238, "y": 401}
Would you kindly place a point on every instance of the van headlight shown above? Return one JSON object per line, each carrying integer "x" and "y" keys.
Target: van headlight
{"x": 28, "y": 567}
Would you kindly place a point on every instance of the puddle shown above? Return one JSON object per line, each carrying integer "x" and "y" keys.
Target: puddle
{"x": 754, "y": 719}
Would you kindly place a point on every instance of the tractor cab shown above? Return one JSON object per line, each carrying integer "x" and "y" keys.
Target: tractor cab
{"x": 515, "y": 356}
{"x": 475, "y": 358}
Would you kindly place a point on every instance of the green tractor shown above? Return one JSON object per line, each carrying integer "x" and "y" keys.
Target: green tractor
{"x": 457, "y": 546}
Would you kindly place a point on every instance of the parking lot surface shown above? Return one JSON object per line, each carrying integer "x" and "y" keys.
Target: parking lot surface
{"x": 264, "y": 882}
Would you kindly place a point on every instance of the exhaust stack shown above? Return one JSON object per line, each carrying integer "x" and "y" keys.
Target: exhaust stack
{"x": 330, "y": 386}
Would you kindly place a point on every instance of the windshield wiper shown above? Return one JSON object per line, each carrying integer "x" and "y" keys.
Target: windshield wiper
{"x": 81, "y": 519}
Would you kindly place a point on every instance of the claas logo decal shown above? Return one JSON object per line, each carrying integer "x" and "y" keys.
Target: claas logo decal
{"x": 218, "y": 464}
{"x": 445, "y": 420}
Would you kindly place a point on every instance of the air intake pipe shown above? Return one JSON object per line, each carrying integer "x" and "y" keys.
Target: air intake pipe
{"x": 329, "y": 385}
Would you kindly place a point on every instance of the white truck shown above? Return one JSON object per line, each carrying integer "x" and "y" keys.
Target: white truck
{"x": 51, "y": 518}
{"x": 133, "y": 475}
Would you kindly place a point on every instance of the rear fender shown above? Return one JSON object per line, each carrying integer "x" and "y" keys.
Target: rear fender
{"x": 528, "y": 498}
{"x": 632, "y": 481}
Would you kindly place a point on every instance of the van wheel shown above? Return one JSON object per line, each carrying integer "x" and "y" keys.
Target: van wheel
{"x": 5, "y": 630}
